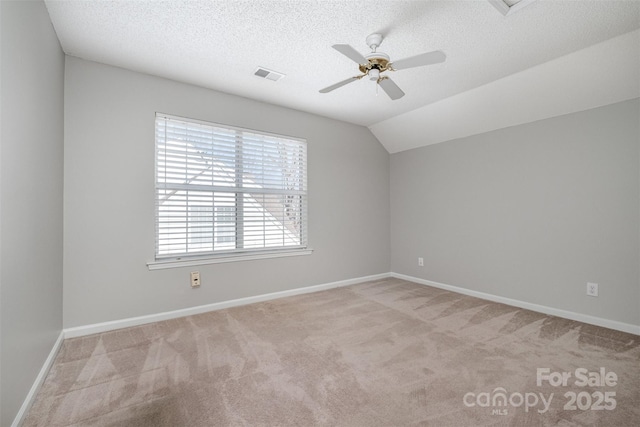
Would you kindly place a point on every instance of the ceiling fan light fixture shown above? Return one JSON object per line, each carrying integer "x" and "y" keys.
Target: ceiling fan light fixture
{"x": 376, "y": 63}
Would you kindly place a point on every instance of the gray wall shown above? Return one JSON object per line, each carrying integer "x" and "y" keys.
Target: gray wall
{"x": 31, "y": 142}
{"x": 531, "y": 212}
{"x": 109, "y": 197}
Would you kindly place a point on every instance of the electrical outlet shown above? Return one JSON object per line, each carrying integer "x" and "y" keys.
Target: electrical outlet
{"x": 592, "y": 289}
{"x": 421, "y": 262}
{"x": 195, "y": 279}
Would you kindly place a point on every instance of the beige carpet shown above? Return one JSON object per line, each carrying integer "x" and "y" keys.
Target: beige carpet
{"x": 380, "y": 353}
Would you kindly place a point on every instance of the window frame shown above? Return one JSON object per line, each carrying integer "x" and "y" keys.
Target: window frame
{"x": 243, "y": 139}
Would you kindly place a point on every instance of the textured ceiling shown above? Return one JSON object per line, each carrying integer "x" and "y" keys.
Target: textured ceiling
{"x": 219, "y": 44}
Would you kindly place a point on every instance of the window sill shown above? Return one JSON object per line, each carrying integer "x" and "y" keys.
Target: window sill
{"x": 217, "y": 259}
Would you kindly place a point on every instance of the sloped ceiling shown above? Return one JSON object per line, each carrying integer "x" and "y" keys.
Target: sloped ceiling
{"x": 599, "y": 75}
{"x": 500, "y": 70}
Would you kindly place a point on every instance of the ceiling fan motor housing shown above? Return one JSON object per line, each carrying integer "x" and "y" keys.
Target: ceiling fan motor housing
{"x": 377, "y": 60}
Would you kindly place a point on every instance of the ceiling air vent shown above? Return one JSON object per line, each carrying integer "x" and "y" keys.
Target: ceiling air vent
{"x": 508, "y": 7}
{"x": 268, "y": 74}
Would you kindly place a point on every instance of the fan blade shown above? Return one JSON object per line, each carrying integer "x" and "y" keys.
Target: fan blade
{"x": 350, "y": 53}
{"x": 428, "y": 58}
{"x": 340, "y": 84}
{"x": 391, "y": 88}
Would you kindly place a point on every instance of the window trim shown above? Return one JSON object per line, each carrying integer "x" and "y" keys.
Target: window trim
{"x": 162, "y": 264}
{"x": 185, "y": 260}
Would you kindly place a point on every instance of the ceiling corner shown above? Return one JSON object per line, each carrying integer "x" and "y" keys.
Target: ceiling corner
{"x": 508, "y": 7}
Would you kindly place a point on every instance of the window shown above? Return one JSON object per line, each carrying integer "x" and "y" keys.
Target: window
{"x": 225, "y": 190}
{"x": 225, "y": 231}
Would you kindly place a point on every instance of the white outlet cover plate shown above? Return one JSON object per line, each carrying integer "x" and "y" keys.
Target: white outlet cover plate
{"x": 195, "y": 279}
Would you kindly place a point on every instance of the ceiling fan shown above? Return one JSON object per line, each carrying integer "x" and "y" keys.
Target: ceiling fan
{"x": 375, "y": 63}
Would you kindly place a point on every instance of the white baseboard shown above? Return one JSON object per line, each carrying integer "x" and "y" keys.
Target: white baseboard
{"x": 592, "y": 320}
{"x": 141, "y": 320}
{"x": 28, "y": 401}
{"x": 135, "y": 321}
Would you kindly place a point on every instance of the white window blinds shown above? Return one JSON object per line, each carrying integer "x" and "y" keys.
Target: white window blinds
{"x": 222, "y": 189}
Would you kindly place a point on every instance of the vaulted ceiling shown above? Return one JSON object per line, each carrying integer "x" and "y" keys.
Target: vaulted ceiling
{"x": 500, "y": 70}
